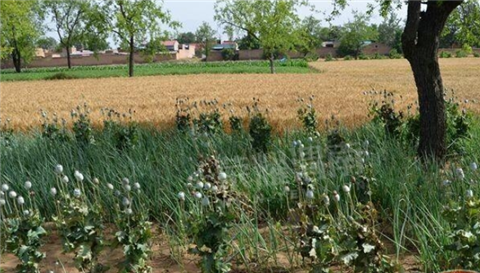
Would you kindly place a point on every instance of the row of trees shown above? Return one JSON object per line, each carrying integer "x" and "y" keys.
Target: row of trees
{"x": 87, "y": 23}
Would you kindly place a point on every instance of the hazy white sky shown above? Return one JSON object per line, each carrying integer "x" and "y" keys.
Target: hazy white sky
{"x": 191, "y": 13}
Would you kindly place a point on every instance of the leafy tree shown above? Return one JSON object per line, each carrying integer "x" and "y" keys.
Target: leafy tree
{"x": 390, "y": 32}
{"x": 248, "y": 42}
{"x": 310, "y": 35}
{"x": 331, "y": 33}
{"x": 420, "y": 44}
{"x": 186, "y": 38}
{"x": 70, "y": 21}
{"x": 205, "y": 36}
{"x": 355, "y": 34}
{"x": 47, "y": 43}
{"x": 463, "y": 26}
{"x": 20, "y": 27}
{"x": 133, "y": 20}
{"x": 274, "y": 24}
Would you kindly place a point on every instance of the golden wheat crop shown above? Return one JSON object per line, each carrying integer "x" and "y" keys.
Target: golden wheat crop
{"x": 338, "y": 91}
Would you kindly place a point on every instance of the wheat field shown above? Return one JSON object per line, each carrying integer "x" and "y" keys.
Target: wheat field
{"x": 338, "y": 91}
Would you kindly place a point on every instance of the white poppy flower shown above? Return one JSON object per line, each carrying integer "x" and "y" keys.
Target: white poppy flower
{"x": 346, "y": 188}
{"x": 79, "y": 176}
{"x": 222, "y": 176}
{"x": 469, "y": 194}
{"x": 12, "y": 194}
{"x": 110, "y": 186}
{"x": 59, "y": 169}
{"x": 65, "y": 179}
{"x": 28, "y": 185}
{"x": 125, "y": 201}
{"x": 199, "y": 185}
{"x": 460, "y": 173}
{"x": 214, "y": 188}
{"x": 2, "y": 202}
{"x": 5, "y": 187}
{"x": 473, "y": 166}
{"x": 198, "y": 195}
{"x": 77, "y": 193}
{"x": 205, "y": 201}
{"x": 53, "y": 191}
{"x": 309, "y": 195}
{"x": 20, "y": 201}
{"x": 181, "y": 196}
{"x": 136, "y": 186}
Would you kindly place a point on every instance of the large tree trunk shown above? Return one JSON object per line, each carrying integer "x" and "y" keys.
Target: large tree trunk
{"x": 420, "y": 42}
{"x": 69, "y": 61}
{"x": 272, "y": 66}
{"x": 17, "y": 60}
{"x": 130, "y": 59}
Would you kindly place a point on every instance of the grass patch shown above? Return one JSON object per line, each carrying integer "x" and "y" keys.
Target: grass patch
{"x": 173, "y": 68}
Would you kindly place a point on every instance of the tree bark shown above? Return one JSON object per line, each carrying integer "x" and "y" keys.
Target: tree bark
{"x": 272, "y": 66}
{"x": 420, "y": 43}
{"x": 69, "y": 61}
{"x": 130, "y": 59}
{"x": 17, "y": 60}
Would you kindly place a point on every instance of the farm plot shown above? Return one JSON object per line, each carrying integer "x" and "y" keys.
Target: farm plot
{"x": 338, "y": 91}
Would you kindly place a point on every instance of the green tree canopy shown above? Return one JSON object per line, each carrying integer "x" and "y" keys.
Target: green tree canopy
{"x": 20, "y": 28}
{"x": 463, "y": 25}
{"x": 186, "y": 38}
{"x": 355, "y": 34}
{"x": 205, "y": 35}
{"x": 390, "y": 32}
{"x": 134, "y": 21}
{"x": 48, "y": 43}
{"x": 310, "y": 35}
{"x": 274, "y": 24}
{"x": 70, "y": 20}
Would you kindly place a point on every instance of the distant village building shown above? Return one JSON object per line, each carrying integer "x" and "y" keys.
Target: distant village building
{"x": 226, "y": 45}
{"x": 171, "y": 45}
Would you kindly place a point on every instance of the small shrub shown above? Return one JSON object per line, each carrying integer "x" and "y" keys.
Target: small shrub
{"x": 348, "y": 58}
{"x": 445, "y": 54}
{"x": 363, "y": 57}
{"x": 311, "y": 57}
{"x": 461, "y": 54}
{"x": 307, "y": 115}
{"x": 214, "y": 211}
{"x": 134, "y": 230}
{"x": 378, "y": 56}
{"x": 209, "y": 120}
{"x": 464, "y": 220}
{"x": 183, "y": 117}
{"x": 120, "y": 128}
{"x": 467, "y": 48}
{"x": 393, "y": 54}
{"x": 329, "y": 57}
{"x": 52, "y": 129}
{"x": 61, "y": 76}
{"x": 235, "y": 123}
{"x": 260, "y": 130}
{"x": 476, "y": 54}
{"x": 228, "y": 54}
{"x": 80, "y": 225}
{"x": 384, "y": 112}
{"x": 82, "y": 126}
{"x": 22, "y": 231}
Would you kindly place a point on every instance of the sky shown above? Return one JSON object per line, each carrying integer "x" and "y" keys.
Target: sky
{"x": 191, "y": 14}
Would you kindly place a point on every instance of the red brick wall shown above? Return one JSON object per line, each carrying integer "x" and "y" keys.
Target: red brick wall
{"x": 103, "y": 59}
